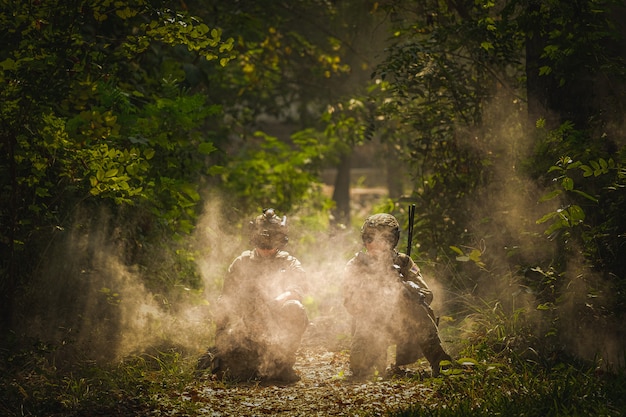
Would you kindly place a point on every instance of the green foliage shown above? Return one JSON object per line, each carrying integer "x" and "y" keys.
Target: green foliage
{"x": 288, "y": 61}
{"x": 472, "y": 255}
{"x": 272, "y": 173}
{"x": 129, "y": 105}
{"x": 97, "y": 118}
{"x": 444, "y": 65}
{"x": 500, "y": 374}
{"x": 496, "y": 331}
{"x": 113, "y": 169}
{"x": 586, "y": 188}
{"x": 33, "y": 386}
{"x": 571, "y": 215}
{"x": 176, "y": 28}
{"x": 524, "y": 390}
{"x": 484, "y": 382}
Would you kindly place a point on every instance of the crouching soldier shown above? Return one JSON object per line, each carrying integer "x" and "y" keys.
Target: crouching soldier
{"x": 260, "y": 319}
{"x": 390, "y": 303}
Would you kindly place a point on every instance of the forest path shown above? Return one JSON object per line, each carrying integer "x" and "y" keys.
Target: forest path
{"x": 325, "y": 389}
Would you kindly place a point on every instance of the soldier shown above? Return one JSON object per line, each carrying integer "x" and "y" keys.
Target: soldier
{"x": 390, "y": 303}
{"x": 260, "y": 318}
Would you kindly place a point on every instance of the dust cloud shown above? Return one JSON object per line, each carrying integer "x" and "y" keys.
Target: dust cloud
{"x": 505, "y": 210}
{"x": 322, "y": 254}
{"x": 91, "y": 303}
{"x": 88, "y": 303}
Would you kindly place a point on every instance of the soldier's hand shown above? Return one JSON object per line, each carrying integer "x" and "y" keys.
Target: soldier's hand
{"x": 414, "y": 291}
{"x": 286, "y": 296}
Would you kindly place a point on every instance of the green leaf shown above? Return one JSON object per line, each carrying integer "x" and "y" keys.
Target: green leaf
{"x": 545, "y": 70}
{"x": 603, "y": 164}
{"x": 475, "y": 255}
{"x": 576, "y": 215}
{"x": 191, "y": 191}
{"x": 568, "y": 184}
{"x": 547, "y": 217}
{"x": 42, "y": 192}
{"x": 550, "y": 195}
{"x": 8, "y": 65}
{"x": 587, "y": 171}
{"x": 206, "y": 148}
{"x": 587, "y": 196}
{"x": 573, "y": 165}
{"x": 465, "y": 361}
{"x": 457, "y": 250}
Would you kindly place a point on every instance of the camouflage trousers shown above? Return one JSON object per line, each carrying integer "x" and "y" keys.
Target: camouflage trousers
{"x": 263, "y": 347}
{"x": 410, "y": 325}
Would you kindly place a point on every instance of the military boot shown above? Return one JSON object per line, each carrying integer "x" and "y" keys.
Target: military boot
{"x": 435, "y": 355}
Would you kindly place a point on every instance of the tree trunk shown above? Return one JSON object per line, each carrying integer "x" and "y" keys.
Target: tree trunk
{"x": 8, "y": 278}
{"x": 536, "y": 86}
{"x": 341, "y": 193}
{"x": 395, "y": 172}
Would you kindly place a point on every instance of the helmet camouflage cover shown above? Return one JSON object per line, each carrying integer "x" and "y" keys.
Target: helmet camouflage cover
{"x": 382, "y": 224}
{"x": 268, "y": 231}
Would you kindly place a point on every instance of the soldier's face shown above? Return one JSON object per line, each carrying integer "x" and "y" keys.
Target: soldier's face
{"x": 266, "y": 253}
{"x": 267, "y": 240}
{"x": 378, "y": 242}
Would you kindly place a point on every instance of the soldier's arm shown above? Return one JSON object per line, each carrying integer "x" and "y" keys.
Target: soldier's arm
{"x": 415, "y": 280}
{"x": 226, "y": 306}
{"x": 352, "y": 300}
{"x": 296, "y": 285}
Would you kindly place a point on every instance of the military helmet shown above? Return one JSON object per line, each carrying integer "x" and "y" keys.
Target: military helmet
{"x": 383, "y": 224}
{"x": 268, "y": 231}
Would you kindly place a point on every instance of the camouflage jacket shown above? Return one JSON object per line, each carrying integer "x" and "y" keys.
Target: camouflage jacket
{"x": 371, "y": 284}
{"x": 252, "y": 282}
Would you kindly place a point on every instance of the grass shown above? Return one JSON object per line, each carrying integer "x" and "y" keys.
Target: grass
{"x": 512, "y": 386}
{"x": 504, "y": 373}
{"x": 525, "y": 390}
{"x": 510, "y": 377}
{"x": 31, "y": 385}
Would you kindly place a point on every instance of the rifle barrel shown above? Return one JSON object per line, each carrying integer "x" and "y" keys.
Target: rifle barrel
{"x": 410, "y": 234}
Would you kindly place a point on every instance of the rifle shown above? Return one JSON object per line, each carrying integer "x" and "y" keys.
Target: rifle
{"x": 410, "y": 237}
{"x": 430, "y": 311}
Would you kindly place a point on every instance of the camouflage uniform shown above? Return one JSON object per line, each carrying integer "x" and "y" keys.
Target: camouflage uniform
{"x": 257, "y": 333}
{"x": 390, "y": 304}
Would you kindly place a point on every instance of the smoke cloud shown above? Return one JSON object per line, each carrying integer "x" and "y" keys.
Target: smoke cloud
{"x": 93, "y": 304}
{"x": 512, "y": 245}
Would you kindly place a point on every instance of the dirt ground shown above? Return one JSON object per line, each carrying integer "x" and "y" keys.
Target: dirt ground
{"x": 326, "y": 388}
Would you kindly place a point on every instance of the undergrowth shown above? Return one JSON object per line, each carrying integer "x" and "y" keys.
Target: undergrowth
{"x": 32, "y": 385}
{"x": 502, "y": 370}
{"x": 521, "y": 388}
{"x": 509, "y": 369}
